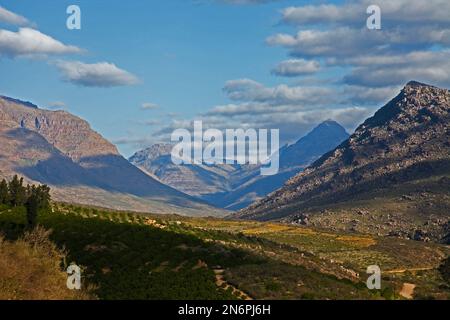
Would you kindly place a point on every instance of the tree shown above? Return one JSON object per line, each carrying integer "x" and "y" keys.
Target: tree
{"x": 32, "y": 206}
{"x": 4, "y": 192}
{"x": 17, "y": 192}
{"x": 38, "y": 199}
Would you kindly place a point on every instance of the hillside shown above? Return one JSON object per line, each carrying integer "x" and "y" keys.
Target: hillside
{"x": 125, "y": 255}
{"x": 30, "y": 269}
{"x": 61, "y": 150}
{"x": 392, "y": 176}
{"x": 235, "y": 186}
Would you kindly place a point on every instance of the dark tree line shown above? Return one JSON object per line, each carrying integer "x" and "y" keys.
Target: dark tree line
{"x": 34, "y": 198}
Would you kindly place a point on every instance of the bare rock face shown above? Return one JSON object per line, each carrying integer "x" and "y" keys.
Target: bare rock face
{"x": 71, "y": 135}
{"x": 404, "y": 147}
{"x": 61, "y": 150}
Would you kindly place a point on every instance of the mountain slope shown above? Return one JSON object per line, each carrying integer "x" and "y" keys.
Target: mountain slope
{"x": 62, "y": 150}
{"x": 293, "y": 159}
{"x": 234, "y": 186}
{"x": 195, "y": 180}
{"x": 392, "y": 176}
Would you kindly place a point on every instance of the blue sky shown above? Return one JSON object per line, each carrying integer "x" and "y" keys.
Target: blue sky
{"x": 229, "y": 64}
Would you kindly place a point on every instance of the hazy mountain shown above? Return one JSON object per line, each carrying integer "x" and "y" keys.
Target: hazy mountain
{"x": 59, "y": 149}
{"x": 392, "y": 176}
{"x": 293, "y": 159}
{"x": 233, "y": 186}
{"x": 196, "y": 180}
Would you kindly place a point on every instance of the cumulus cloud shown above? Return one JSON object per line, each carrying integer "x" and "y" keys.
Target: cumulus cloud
{"x": 292, "y": 122}
{"x": 102, "y": 74}
{"x": 9, "y": 17}
{"x": 29, "y": 42}
{"x": 361, "y": 95}
{"x": 412, "y": 44}
{"x": 378, "y": 71}
{"x": 250, "y": 90}
{"x": 343, "y": 42}
{"x": 354, "y": 12}
{"x": 293, "y": 110}
{"x": 296, "y": 67}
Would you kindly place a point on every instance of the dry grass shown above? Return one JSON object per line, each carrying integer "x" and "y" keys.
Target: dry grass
{"x": 358, "y": 241}
{"x": 30, "y": 269}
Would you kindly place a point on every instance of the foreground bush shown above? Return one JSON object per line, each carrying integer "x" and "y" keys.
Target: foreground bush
{"x": 30, "y": 269}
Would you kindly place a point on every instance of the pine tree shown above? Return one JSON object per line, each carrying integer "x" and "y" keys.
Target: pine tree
{"x": 4, "y": 192}
{"x": 43, "y": 193}
{"x": 17, "y": 192}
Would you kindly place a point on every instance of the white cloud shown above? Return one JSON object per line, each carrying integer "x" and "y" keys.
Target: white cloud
{"x": 378, "y": 71}
{"x": 363, "y": 95}
{"x": 318, "y": 14}
{"x": 139, "y": 142}
{"x": 250, "y": 90}
{"x": 412, "y": 44}
{"x": 102, "y": 74}
{"x": 292, "y": 122}
{"x": 28, "y": 42}
{"x": 345, "y": 42}
{"x": 9, "y": 17}
{"x": 296, "y": 67}
{"x": 149, "y": 106}
{"x": 57, "y": 105}
{"x": 354, "y": 12}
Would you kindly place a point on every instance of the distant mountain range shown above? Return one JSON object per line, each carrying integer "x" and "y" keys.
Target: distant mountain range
{"x": 391, "y": 177}
{"x": 61, "y": 150}
{"x": 237, "y": 186}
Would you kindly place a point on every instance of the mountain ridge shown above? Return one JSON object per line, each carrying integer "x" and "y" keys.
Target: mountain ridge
{"x": 403, "y": 142}
{"x": 60, "y": 149}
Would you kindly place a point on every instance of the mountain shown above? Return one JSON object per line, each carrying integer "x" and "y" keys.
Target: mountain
{"x": 391, "y": 177}
{"x": 234, "y": 186}
{"x": 293, "y": 159}
{"x": 195, "y": 180}
{"x": 61, "y": 150}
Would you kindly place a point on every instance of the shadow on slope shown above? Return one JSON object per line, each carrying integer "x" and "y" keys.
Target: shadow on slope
{"x": 33, "y": 157}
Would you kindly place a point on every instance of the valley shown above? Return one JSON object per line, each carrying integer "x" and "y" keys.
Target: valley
{"x": 125, "y": 255}
{"x": 153, "y": 230}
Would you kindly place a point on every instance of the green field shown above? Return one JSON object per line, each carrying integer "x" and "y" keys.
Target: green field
{"x": 126, "y": 255}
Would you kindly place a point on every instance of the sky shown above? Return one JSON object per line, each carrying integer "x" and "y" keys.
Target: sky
{"x": 137, "y": 70}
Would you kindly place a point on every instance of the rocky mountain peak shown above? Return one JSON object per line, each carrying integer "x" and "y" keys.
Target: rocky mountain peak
{"x": 416, "y": 104}
{"x": 329, "y": 126}
{"x": 415, "y": 88}
{"x": 330, "y": 122}
{"x": 417, "y": 84}
{"x": 152, "y": 153}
